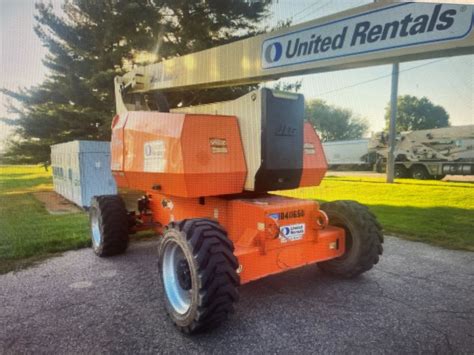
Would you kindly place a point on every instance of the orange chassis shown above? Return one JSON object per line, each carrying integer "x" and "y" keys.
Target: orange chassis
{"x": 271, "y": 234}
{"x": 171, "y": 156}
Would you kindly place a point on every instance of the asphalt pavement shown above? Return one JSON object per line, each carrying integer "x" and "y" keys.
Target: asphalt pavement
{"x": 417, "y": 299}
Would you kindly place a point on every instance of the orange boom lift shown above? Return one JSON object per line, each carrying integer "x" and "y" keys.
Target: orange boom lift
{"x": 219, "y": 226}
{"x": 205, "y": 171}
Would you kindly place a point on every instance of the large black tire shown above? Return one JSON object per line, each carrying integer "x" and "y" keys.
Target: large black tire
{"x": 108, "y": 225}
{"x": 419, "y": 172}
{"x": 401, "y": 171}
{"x": 364, "y": 238}
{"x": 198, "y": 273}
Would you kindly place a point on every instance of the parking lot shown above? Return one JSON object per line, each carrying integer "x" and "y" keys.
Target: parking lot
{"x": 417, "y": 299}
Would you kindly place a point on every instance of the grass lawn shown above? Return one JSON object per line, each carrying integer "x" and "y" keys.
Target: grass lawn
{"x": 27, "y": 231}
{"x": 436, "y": 212}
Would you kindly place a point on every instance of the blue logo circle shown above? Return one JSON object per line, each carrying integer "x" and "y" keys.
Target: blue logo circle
{"x": 286, "y": 231}
{"x": 273, "y": 55}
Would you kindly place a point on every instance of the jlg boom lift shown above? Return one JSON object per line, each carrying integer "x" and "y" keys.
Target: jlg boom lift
{"x": 206, "y": 170}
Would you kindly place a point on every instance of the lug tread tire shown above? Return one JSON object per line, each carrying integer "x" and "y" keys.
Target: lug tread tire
{"x": 363, "y": 225}
{"x": 419, "y": 172}
{"x": 113, "y": 224}
{"x": 216, "y": 267}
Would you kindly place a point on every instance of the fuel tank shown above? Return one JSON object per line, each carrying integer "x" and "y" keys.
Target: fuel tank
{"x": 179, "y": 154}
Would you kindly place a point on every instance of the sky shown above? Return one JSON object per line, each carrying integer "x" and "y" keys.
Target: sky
{"x": 448, "y": 82}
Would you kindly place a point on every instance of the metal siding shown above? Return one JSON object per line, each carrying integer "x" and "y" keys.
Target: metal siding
{"x": 80, "y": 178}
{"x": 75, "y": 179}
{"x": 96, "y": 176}
{"x": 94, "y": 147}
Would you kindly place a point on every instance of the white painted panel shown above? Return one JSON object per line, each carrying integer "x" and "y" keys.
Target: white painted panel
{"x": 346, "y": 152}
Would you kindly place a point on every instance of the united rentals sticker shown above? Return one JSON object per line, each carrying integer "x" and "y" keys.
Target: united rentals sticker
{"x": 397, "y": 26}
{"x": 292, "y": 232}
{"x": 154, "y": 160}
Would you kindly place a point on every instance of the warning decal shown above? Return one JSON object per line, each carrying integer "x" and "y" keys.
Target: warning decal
{"x": 309, "y": 148}
{"x": 154, "y": 160}
{"x": 218, "y": 145}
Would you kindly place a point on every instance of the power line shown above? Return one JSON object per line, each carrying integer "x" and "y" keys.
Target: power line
{"x": 306, "y": 8}
{"x": 361, "y": 2}
{"x": 292, "y": 17}
{"x": 315, "y": 10}
{"x": 380, "y": 77}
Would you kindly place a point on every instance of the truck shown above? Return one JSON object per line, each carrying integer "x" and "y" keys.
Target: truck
{"x": 428, "y": 154}
{"x": 423, "y": 154}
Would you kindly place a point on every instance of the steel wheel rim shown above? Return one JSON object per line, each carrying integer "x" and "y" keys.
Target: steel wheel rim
{"x": 178, "y": 297}
{"x": 95, "y": 230}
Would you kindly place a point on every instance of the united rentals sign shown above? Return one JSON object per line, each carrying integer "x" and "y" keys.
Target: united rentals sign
{"x": 377, "y": 33}
{"x": 398, "y": 26}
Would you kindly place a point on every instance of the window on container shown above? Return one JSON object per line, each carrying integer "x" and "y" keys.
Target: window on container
{"x": 69, "y": 173}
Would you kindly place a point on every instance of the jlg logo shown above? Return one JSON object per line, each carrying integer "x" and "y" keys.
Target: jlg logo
{"x": 284, "y": 130}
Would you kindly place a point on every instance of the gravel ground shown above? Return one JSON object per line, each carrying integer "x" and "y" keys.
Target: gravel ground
{"x": 418, "y": 299}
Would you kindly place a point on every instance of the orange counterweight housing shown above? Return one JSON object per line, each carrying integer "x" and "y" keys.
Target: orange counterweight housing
{"x": 270, "y": 233}
{"x": 314, "y": 160}
{"x": 187, "y": 155}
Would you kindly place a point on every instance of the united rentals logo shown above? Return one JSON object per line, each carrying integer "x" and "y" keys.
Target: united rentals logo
{"x": 401, "y": 25}
{"x": 273, "y": 52}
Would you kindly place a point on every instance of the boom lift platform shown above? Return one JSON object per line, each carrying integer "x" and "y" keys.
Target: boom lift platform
{"x": 206, "y": 170}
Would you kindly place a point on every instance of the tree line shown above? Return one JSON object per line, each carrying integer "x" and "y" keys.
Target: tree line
{"x": 336, "y": 123}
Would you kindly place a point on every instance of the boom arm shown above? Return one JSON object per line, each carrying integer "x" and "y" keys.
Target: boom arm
{"x": 378, "y": 33}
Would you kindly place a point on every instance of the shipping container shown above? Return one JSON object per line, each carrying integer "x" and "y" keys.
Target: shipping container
{"x": 81, "y": 170}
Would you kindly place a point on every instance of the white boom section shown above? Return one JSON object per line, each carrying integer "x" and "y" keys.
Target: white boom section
{"x": 378, "y": 33}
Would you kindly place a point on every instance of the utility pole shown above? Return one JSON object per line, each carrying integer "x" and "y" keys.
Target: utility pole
{"x": 392, "y": 127}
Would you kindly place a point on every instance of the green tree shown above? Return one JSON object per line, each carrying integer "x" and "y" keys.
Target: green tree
{"x": 93, "y": 41}
{"x": 415, "y": 114}
{"x": 334, "y": 123}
